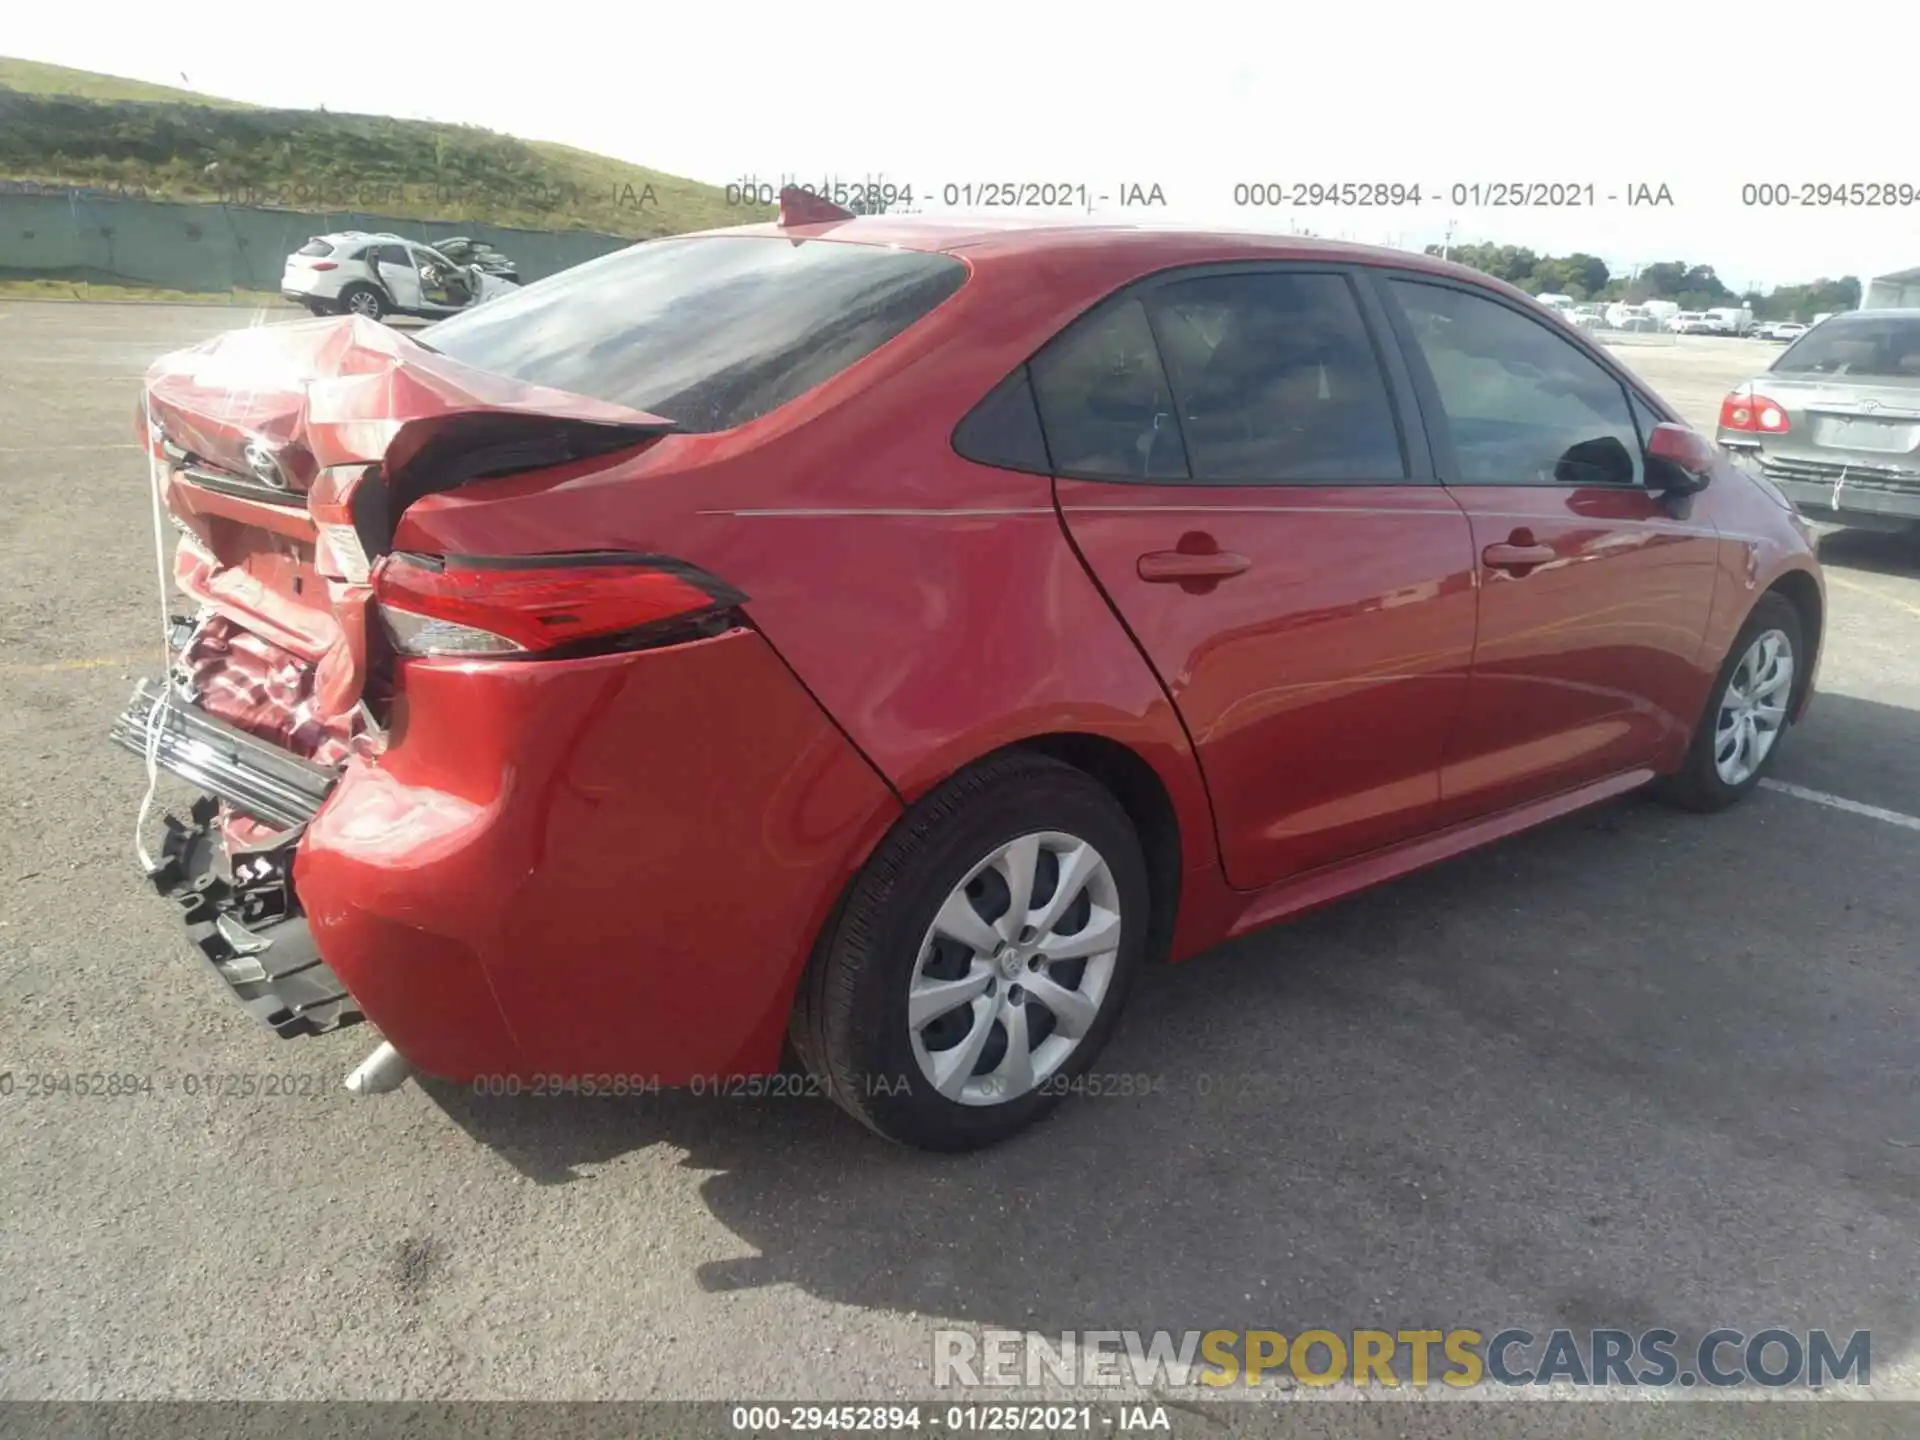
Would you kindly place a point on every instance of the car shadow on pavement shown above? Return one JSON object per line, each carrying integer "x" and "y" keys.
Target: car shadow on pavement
{"x": 1636, "y": 1069}
{"x": 1859, "y": 750}
{"x": 1879, "y": 552}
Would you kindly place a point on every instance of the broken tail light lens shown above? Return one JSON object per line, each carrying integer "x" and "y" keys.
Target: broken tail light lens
{"x": 1755, "y": 414}
{"x": 537, "y": 605}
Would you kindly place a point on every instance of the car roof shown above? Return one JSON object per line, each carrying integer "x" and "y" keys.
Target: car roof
{"x": 1155, "y": 245}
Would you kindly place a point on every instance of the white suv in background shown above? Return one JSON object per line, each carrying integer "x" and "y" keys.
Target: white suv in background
{"x": 380, "y": 275}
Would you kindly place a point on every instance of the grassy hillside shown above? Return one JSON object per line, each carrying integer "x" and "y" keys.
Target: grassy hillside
{"x": 70, "y": 127}
{"x": 33, "y": 77}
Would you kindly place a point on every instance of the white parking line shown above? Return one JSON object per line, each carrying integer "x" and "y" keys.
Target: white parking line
{"x": 1836, "y": 802}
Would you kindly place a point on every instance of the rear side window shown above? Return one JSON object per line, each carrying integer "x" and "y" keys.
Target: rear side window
{"x": 710, "y": 332}
{"x": 315, "y": 248}
{"x": 1104, "y": 400}
{"x": 1523, "y": 405}
{"x": 387, "y": 255}
{"x": 1004, "y": 429}
{"x": 1277, "y": 380}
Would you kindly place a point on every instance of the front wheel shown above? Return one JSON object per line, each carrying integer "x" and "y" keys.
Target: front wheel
{"x": 981, "y": 958}
{"x": 1747, "y": 712}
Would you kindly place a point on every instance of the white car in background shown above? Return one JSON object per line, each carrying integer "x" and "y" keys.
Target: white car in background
{"x": 379, "y": 275}
{"x": 1784, "y": 330}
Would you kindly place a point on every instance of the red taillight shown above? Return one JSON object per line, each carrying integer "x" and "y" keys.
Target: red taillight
{"x": 1754, "y": 413}
{"x": 323, "y": 265}
{"x": 534, "y": 604}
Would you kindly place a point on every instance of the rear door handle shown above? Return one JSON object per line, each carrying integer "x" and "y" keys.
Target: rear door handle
{"x": 1163, "y": 567}
{"x": 1516, "y": 557}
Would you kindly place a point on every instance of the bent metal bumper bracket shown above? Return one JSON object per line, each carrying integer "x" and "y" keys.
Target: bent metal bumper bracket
{"x": 254, "y": 777}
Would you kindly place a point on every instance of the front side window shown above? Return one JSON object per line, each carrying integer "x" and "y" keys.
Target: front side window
{"x": 1104, "y": 402}
{"x": 1523, "y": 406}
{"x": 1646, "y": 418}
{"x": 710, "y": 331}
{"x": 1276, "y": 380}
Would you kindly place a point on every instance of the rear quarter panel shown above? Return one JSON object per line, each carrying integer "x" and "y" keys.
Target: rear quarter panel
{"x": 934, "y": 606}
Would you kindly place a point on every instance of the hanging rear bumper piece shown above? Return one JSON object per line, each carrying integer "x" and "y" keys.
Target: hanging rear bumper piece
{"x": 242, "y": 914}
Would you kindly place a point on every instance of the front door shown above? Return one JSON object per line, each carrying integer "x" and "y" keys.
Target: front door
{"x": 1593, "y": 597}
{"x": 1232, "y": 467}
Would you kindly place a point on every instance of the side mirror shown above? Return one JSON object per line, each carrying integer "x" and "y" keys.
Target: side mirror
{"x": 1680, "y": 460}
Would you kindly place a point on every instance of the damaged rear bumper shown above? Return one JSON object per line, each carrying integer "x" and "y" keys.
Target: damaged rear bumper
{"x": 240, "y": 908}
{"x": 242, "y": 915}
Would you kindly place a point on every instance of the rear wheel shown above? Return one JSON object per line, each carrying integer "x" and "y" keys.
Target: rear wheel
{"x": 363, "y": 300}
{"x": 981, "y": 958}
{"x": 1739, "y": 735}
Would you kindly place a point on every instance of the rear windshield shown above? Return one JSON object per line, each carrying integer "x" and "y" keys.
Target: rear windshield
{"x": 1887, "y": 346}
{"x": 709, "y": 332}
{"x": 315, "y": 247}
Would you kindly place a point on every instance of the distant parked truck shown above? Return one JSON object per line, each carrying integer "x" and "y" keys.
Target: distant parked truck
{"x": 1897, "y": 291}
{"x": 1663, "y": 310}
{"x": 1731, "y": 320}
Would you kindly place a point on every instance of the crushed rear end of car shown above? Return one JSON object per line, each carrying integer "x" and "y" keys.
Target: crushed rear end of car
{"x": 497, "y": 804}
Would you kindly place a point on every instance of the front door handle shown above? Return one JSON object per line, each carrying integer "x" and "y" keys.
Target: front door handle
{"x": 1516, "y": 557}
{"x": 1165, "y": 567}
{"x": 1520, "y": 554}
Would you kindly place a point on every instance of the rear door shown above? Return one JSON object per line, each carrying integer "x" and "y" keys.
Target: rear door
{"x": 395, "y": 268}
{"x": 1593, "y": 597}
{"x": 1232, "y": 464}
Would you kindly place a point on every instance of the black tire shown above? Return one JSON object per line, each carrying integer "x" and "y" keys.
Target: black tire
{"x": 370, "y": 302}
{"x": 1698, "y": 784}
{"x": 850, "y": 1022}
{"x": 319, "y": 307}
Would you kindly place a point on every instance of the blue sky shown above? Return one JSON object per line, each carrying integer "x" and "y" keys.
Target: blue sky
{"x": 1195, "y": 97}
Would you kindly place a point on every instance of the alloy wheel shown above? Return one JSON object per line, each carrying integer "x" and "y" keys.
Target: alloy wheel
{"x": 1753, "y": 708}
{"x": 1012, "y": 973}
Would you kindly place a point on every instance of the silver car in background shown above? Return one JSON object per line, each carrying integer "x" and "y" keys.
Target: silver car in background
{"x": 1835, "y": 421}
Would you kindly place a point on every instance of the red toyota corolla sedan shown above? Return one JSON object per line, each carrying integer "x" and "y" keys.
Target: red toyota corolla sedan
{"x": 891, "y": 634}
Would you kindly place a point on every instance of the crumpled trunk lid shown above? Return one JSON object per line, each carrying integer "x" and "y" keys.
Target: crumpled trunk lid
{"x": 286, "y": 455}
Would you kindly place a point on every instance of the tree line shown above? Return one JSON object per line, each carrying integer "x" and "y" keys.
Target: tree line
{"x": 1692, "y": 287}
